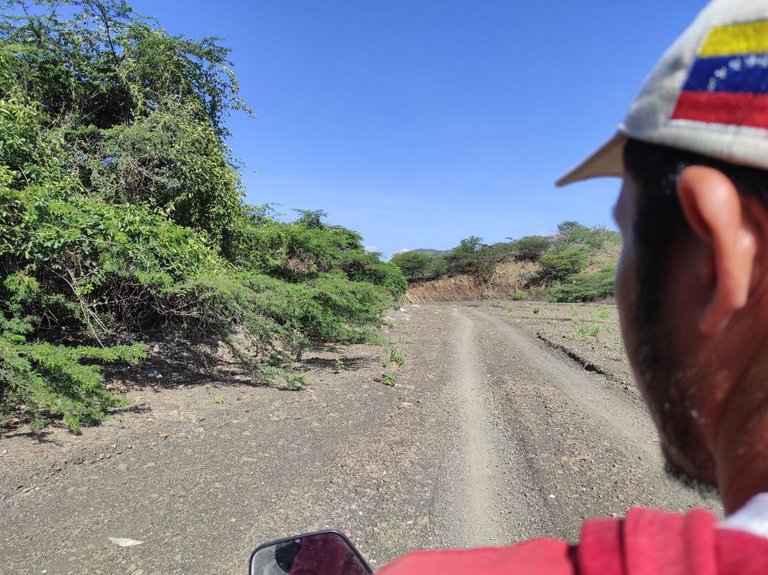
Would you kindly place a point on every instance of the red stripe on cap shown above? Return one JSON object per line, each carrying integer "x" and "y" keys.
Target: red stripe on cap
{"x": 723, "y": 108}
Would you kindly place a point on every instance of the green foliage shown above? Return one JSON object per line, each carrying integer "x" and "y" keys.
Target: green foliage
{"x": 167, "y": 160}
{"x": 602, "y": 313}
{"x": 121, "y": 216}
{"x": 571, "y": 233}
{"x": 471, "y": 257}
{"x": 417, "y": 266}
{"x": 390, "y": 363}
{"x": 561, "y": 264}
{"x": 56, "y": 380}
{"x": 530, "y": 248}
{"x": 395, "y": 357}
{"x": 111, "y": 261}
{"x": 279, "y": 315}
{"x": 368, "y": 267}
{"x": 586, "y": 286}
{"x": 140, "y": 113}
{"x": 589, "y": 330}
{"x": 311, "y": 218}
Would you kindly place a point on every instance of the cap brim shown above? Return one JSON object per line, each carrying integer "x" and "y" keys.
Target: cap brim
{"x": 607, "y": 162}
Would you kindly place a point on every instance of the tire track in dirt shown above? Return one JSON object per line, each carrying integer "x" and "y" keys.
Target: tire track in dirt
{"x": 594, "y": 396}
{"x": 572, "y": 444}
{"x": 478, "y": 525}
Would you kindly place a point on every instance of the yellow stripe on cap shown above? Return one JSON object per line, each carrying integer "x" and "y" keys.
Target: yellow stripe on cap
{"x": 735, "y": 39}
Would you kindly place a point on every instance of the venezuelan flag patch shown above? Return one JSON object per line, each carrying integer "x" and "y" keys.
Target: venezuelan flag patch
{"x": 728, "y": 82}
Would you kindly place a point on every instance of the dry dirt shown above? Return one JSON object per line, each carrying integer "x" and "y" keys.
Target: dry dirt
{"x": 491, "y": 434}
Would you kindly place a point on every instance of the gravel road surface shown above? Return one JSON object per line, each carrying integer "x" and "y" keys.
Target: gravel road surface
{"x": 489, "y": 436}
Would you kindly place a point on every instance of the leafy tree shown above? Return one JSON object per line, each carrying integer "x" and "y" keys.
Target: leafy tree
{"x": 531, "y": 248}
{"x": 594, "y": 239}
{"x": 140, "y": 112}
{"x": 416, "y": 265}
{"x": 361, "y": 266}
{"x": 571, "y": 232}
{"x": 311, "y": 218}
{"x": 561, "y": 264}
{"x": 471, "y": 257}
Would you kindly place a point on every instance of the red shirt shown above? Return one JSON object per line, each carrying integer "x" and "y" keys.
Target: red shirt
{"x": 646, "y": 542}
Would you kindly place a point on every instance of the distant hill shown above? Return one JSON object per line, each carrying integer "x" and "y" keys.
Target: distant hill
{"x": 433, "y": 253}
{"x": 574, "y": 264}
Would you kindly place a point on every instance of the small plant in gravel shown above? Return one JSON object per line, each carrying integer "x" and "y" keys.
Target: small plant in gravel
{"x": 535, "y": 311}
{"x": 602, "y": 313}
{"x": 589, "y": 330}
{"x": 397, "y": 357}
{"x": 338, "y": 366}
{"x": 219, "y": 399}
{"x": 282, "y": 378}
{"x": 390, "y": 378}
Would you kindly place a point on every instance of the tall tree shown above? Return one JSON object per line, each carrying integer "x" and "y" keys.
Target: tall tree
{"x": 141, "y": 112}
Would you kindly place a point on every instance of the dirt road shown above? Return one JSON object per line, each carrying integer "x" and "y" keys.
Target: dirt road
{"x": 488, "y": 436}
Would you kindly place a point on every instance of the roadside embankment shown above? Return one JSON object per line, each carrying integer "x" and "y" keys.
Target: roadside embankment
{"x": 507, "y": 280}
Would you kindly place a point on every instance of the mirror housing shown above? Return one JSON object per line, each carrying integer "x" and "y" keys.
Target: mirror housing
{"x": 320, "y": 553}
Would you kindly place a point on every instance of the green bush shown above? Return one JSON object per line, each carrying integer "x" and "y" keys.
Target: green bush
{"x": 368, "y": 267}
{"x": 278, "y": 315}
{"x": 471, "y": 257}
{"x": 55, "y": 380}
{"x": 110, "y": 261}
{"x": 121, "y": 215}
{"x": 561, "y": 264}
{"x": 586, "y": 286}
{"x": 530, "y": 248}
{"x": 595, "y": 239}
{"x": 419, "y": 266}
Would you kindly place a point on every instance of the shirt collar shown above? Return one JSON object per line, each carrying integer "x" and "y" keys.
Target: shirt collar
{"x": 752, "y": 518}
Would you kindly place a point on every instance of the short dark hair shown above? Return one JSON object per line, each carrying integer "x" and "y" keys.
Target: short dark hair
{"x": 654, "y": 170}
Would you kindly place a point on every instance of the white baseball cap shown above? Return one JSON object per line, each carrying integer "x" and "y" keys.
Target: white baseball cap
{"x": 708, "y": 94}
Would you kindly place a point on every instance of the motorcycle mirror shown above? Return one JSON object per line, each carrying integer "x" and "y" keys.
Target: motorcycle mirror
{"x": 322, "y": 553}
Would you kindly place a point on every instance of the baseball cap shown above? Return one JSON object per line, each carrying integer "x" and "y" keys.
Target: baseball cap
{"x": 708, "y": 94}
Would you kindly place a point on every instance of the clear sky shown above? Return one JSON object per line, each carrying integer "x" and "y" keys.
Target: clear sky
{"x": 422, "y": 122}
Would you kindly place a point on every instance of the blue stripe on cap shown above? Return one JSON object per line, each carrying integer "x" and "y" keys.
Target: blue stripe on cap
{"x": 746, "y": 73}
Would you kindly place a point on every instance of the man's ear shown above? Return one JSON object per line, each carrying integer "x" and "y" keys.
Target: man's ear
{"x": 713, "y": 208}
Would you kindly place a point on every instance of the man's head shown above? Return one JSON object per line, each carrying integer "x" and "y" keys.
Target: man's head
{"x": 692, "y": 285}
{"x": 691, "y": 291}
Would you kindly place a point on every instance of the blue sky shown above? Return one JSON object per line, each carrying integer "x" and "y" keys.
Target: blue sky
{"x": 422, "y": 122}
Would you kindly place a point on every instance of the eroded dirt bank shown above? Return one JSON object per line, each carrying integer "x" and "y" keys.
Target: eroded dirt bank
{"x": 490, "y": 435}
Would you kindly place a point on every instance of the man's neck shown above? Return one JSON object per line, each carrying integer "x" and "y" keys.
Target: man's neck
{"x": 741, "y": 452}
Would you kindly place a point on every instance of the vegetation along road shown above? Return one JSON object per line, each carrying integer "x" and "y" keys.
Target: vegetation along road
{"x": 488, "y": 434}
